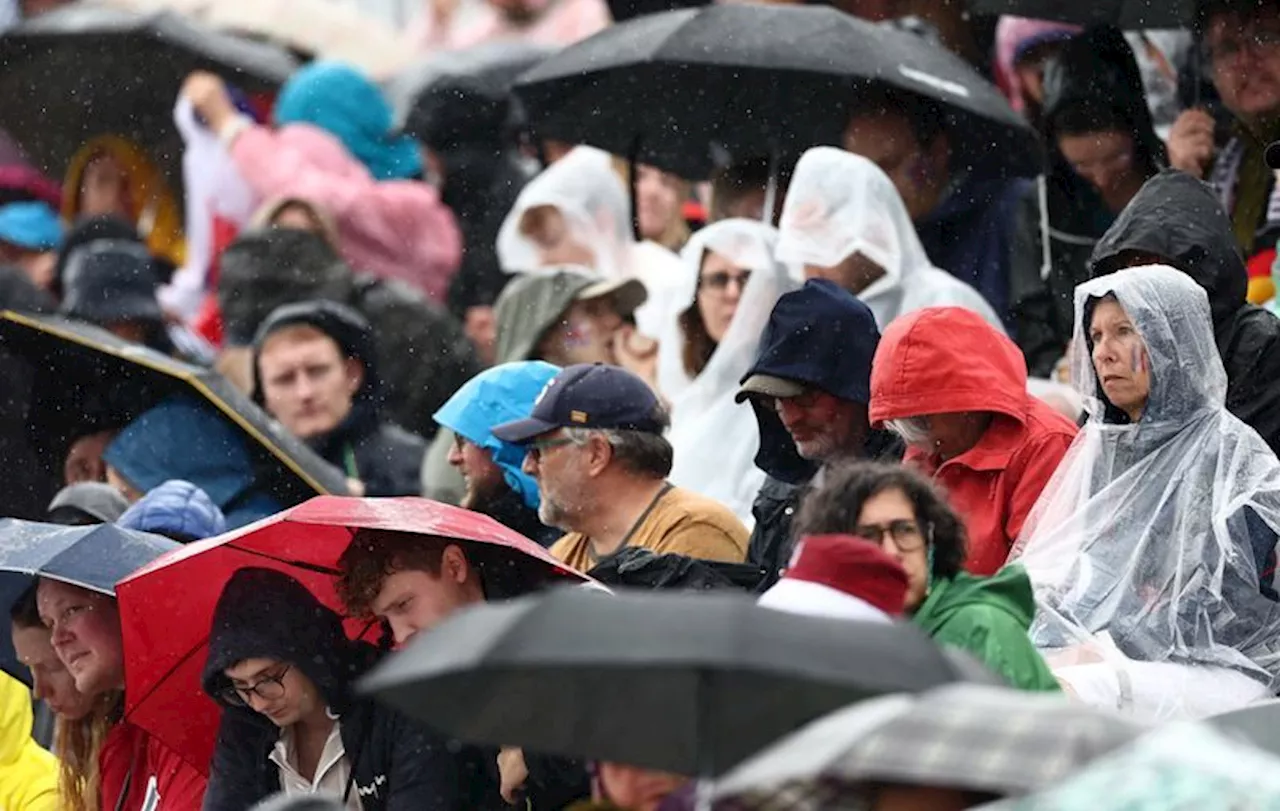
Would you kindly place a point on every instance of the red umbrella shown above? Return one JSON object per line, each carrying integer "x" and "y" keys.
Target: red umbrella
{"x": 166, "y": 608}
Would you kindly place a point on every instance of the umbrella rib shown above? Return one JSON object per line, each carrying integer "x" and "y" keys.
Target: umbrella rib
{"x": 301, "y": 564}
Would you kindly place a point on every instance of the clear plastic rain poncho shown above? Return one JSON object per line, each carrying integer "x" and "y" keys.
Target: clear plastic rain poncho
{"x": 716, "y": 439}
{"x": 839, "y": 204}
{"x": 592, "y": 199}
{"x": 1145, "y": 547}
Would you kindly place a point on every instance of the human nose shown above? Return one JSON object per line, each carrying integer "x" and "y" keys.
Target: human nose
{"x": 60, "y": 635}
{"x": 256, "y": 702}
{"x": 455, "y": 454}
{"x": 530, "y": 463}
{"x": 401, "y": 631}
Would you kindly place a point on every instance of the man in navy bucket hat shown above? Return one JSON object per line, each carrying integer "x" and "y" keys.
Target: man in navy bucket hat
{"x": 809, "y": 387}
{"x": 594, "y": 443}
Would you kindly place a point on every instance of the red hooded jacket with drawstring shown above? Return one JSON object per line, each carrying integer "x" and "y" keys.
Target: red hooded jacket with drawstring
{"x": 946, "y": 360}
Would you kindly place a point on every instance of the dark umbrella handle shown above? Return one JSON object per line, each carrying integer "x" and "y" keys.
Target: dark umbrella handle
{"x": 633, "y": 158}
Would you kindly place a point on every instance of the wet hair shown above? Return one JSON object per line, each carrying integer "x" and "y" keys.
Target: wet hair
{"x": 1247, "y": 10}
{"x": 374, "y": 555}
{"x": 1086, "y": 117}
{"x": 734, "y": 182}
{"x": 25, "y": 613}
{"x": 698, "y": 344}
{"x": 638, "y": 452}
{"x": 924, "y": 118}
{"x": 835, "y": 506}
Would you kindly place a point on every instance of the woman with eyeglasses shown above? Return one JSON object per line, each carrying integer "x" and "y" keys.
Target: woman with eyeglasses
{"x": 283, "y": 669}
{"x": 731, "y": 282}
{"x": 902, "y": 512}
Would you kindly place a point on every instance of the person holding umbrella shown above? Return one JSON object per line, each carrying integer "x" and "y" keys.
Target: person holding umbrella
{"x": 901, "y": 511}
{"x": 282, "y": 667}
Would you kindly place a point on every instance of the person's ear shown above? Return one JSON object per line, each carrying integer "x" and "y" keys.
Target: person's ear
{"x": 453, "y": 565}
{"x": 355, "y": 375}
{"x": 599, "y": 455}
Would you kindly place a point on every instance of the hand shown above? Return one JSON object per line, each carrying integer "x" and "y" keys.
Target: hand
{"x": 1191, "y": 146}
{"x": 637, "y": 354}
{"x": 355, "y": 487}
{"x": 208, "y": 94}
{"x": 514, "y": 772}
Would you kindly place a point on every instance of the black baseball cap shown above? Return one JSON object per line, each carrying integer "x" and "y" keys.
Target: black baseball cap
{"x": 589, "y": 396}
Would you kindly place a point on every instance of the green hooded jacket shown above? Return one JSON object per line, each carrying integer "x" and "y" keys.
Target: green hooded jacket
{"x": 989, "y": 618}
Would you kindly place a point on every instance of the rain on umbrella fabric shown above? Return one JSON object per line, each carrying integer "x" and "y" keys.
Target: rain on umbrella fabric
{"x": 166, "y": 608}
{"x": 93, "y": 557}
{"x": 684, "y": 683}
{"x": 115, "y": 381}
{"x": 694, "y": 88}
{"x": 85, "y": 70}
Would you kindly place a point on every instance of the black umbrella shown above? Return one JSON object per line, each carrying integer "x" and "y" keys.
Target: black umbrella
{"x": 1129, "y": 14}
{"x": 493, "y": 67}
{"x": 85, "y": 379}
{"x": 86, "y": 70}
{"x": 685, "y": 90}
{"x": 686, "y": 683}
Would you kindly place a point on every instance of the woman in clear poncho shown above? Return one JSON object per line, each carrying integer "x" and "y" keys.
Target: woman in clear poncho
{"x": 844, "y": 221}
{"x": 1148, "y": 545}
{"x": 576, "y": 212}
{"x": 730, "y": 282}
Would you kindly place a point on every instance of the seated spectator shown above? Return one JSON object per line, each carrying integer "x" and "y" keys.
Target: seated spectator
{"x": 955, "y": 389}
{"x": 660, "y": 200}
{"x": 30, "y": 235}
{"x": 739, "y": 191}
{"x": 552, "y": 23}
{"x": 900, "y": 511}
{"x": 840, "y": 577}
{"x": 731, "y": 283}
{"x": 283, "y": 670}
{"x": 315, "y": 371}
{"x": 844, "y": 221}
{"x": 495, "y": 483}
{"x": 1177, "y": 221}
{"x": 28, "y": 773}
{"x": 85, "y": 503}
{"x": 1152, "y": 545}
{"x": 336, "y": 143}
{"x": 178, "y": 510}
{"x": 595, "y": 446}
{"x": 1024, "y": 47}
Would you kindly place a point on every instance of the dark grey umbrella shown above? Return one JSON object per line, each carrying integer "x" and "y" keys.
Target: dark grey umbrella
{"x": 1128, "y": 14}
{"x": 686, "y": 683}
{"x": 686, "y": 89}
{"x": 1259, "y": 724}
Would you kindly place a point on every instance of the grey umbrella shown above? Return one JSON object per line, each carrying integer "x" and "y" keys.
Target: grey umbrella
{"x": 685, "y": 683}
{"x": 1259, "y": 724}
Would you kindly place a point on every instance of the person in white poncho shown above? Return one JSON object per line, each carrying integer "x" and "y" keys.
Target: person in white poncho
{"x": 576, "y": 212}
{"x": 729, "y": 285}
{"x": 1149, "y": 547}
{"x": 843, "y": 220}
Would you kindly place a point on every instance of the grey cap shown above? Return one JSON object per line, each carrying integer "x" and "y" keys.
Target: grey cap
{"x": 95, "y": 499}
{"x": 532, "y": 302}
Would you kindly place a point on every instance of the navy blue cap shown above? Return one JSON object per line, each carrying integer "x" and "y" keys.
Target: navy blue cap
{"x": 589, "y": 396}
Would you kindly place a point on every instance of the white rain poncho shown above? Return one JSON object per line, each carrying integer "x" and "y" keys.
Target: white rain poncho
{"x": 1146, "y": 546}
{"x": 592, "y": 199}
{"x": 839, "y": 204}
{"x": 715, "y": 438}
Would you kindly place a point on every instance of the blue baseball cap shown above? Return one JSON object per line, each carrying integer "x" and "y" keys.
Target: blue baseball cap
{"x": 33, "y": 226}
{"x": 589, "y": 396}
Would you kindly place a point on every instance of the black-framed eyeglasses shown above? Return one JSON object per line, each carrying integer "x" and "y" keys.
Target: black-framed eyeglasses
{"x": 268, "y": 688}
{"x": 536, "y": 448}
{"x": 720, "y": 280}
{"x": 907, "y": 535}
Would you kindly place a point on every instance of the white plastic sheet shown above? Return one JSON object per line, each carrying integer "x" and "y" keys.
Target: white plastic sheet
{"x": 716, "y": 439}
{"x": 1143, "y": 547}
{"x": 839, "y": 204}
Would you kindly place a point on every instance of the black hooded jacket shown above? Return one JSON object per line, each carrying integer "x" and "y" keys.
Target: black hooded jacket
{"x": 1179, "y": 220}
{"x": 381, "y": 454}
{"x": 1094, "y": 76}
{"x": 396, "y": 764}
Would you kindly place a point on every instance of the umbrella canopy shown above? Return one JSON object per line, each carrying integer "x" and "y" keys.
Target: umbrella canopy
{"x": 494, "y": 67}
{"x": 695, "y": 87}
{"x": 1259, "y": 724}
{"x": 92, "y": 557}
{"x": 965, "y": 736}
{"x": 85, "y": 378}
{"x": 685, "y": 683}
{"x": 1134, "y": 15}
{"x": 86, "y": 70}
{"x": 166, "y": 608}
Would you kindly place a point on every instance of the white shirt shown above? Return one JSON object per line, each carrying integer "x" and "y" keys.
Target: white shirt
{"x": 332, "y": 772}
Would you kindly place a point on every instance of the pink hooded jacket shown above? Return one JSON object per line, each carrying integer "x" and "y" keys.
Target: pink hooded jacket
{"x": 395, "y": 229}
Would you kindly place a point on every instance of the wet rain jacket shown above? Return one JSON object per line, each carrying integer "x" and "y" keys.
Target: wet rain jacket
{"x": 382, "y": 455}
{"x": 502, "y": 394}
{"x": 1178, "y": 218}
{"x": 395, "y": 764}
{"x": 947, "y": 360}
{"x": 178, "y": 510}
{"x": 1151, "y": 540}
{"x": 182, "y": 438}
{"x": 839, "y": 204}
{"x": 988, "y": 617}
{"x": 136, "y": 767}
{"x": 28, "y": 774}
{"x": 821, "y": 336}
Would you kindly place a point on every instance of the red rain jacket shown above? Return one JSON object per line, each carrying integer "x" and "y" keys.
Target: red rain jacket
{"x": 137, "y": 766}
{"x": 945, "y": 360}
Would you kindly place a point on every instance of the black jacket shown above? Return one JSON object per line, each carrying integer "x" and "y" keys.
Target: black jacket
{"x": 1179, "y": 219}
{"x": 396, "y": 764}
{"x": 509, "y": 509}
{"x": 382, "y": 455}
{"x": 1095, "y": 76}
